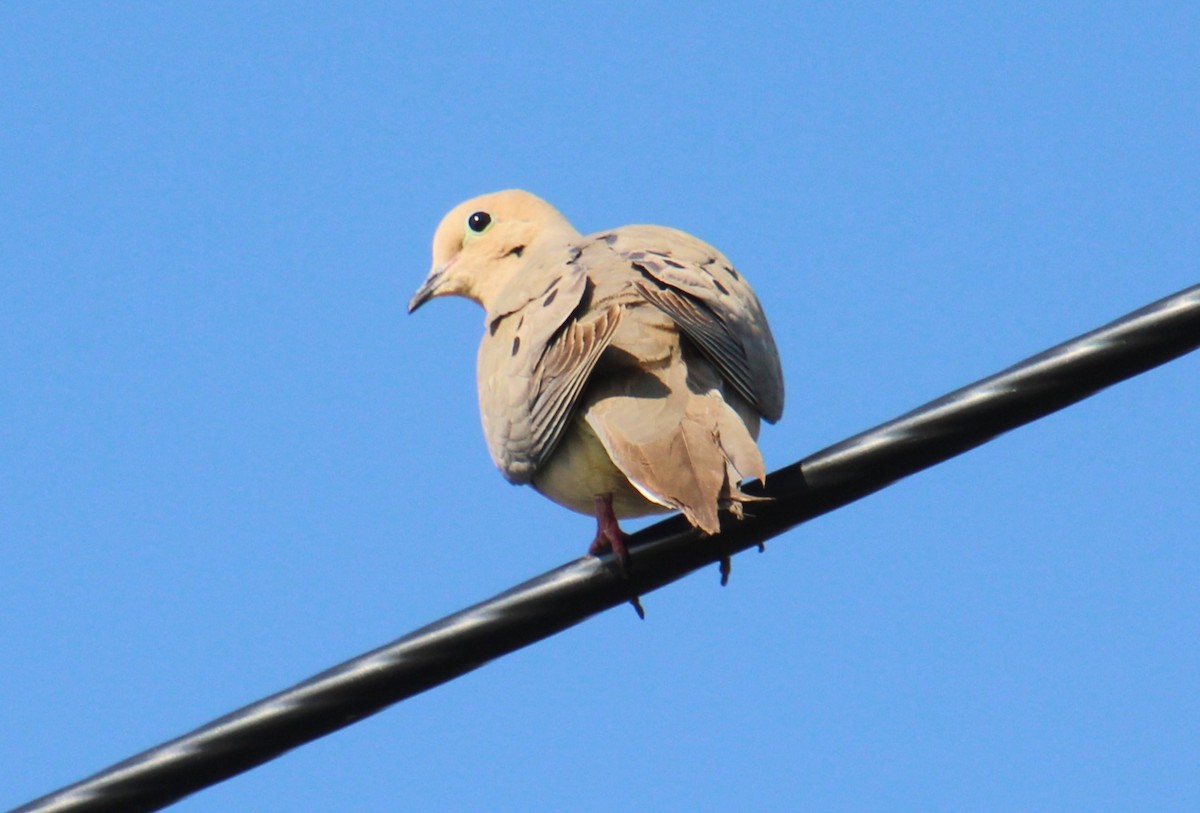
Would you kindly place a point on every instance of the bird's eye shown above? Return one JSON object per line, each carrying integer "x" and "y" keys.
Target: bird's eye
{"x": 478, "y": 222}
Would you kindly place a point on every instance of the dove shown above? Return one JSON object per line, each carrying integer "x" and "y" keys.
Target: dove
{"x": 622, "y": 373}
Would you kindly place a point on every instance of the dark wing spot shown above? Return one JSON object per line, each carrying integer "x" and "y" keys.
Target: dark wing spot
{"x": 672, "y": 263}
{"x": 653, "y": 280}
{"x": 518, "y": 250}
{"x": 549, "y": 299}
{"x": 516, "y": 344}
{"x": 576, "y": 253}
{"x": 720, "y": 287}
{"x": 659, "y": 253}
{"x": 585, "y": 301}
{"x": 609, "y": 238}
{"x": 729, "y": 270}
{"x": 636, "y": 255}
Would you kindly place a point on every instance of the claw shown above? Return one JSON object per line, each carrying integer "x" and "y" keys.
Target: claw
{"x": 610, "y": 537}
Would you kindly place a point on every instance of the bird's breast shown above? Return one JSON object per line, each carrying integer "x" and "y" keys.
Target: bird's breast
{"x": 580, "y": 469}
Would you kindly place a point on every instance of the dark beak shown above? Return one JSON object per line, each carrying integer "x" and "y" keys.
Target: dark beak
{"x": 428, "y": 289}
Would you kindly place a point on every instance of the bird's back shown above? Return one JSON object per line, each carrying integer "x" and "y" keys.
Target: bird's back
{"x": 673, "y": 431}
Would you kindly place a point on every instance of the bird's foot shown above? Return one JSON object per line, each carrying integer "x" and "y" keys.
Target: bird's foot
{"x": 610, "y": 537}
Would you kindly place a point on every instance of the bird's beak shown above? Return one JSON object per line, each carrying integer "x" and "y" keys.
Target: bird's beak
{"x": 429, "y": 288}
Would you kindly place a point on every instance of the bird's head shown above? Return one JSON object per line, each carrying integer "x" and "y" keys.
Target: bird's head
{"x": 481, "y": 244}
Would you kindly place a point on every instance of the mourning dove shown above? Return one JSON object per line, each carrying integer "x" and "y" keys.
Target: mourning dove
{"x": 621, "y": 373}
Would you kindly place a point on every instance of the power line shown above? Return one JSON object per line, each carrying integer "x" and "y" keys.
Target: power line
{"x": 662, "y": 553}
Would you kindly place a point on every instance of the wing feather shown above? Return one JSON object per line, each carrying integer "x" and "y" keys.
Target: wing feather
{"x": 533, "y": 363}
{"x": 713, "y": 305}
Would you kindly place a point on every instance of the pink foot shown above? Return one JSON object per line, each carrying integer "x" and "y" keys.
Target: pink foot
{"x": 610, "y": 537}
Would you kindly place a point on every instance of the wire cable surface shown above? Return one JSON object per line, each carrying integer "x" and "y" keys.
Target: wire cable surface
{"x": 661, "y": 554}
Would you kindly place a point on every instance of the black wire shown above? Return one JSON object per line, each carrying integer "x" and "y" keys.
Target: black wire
{"x": 661, "y": 554}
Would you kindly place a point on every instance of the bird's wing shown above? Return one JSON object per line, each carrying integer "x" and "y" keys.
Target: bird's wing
{"x": 538, "y": 350}
{"x": 711, "y": 302}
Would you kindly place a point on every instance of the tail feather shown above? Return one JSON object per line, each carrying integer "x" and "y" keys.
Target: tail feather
{"x": 694, "y": 464}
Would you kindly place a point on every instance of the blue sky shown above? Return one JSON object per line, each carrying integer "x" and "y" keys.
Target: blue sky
{"x": 228, "y": 459}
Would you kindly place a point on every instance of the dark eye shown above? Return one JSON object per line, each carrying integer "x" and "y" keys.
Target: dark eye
{"x": 479, "y": 222}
